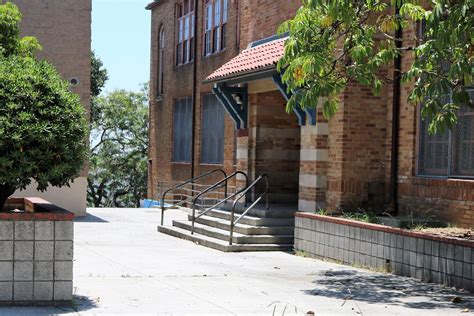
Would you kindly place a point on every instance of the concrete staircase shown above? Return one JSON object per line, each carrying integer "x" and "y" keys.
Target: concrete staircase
{"x": 259, "y": 230}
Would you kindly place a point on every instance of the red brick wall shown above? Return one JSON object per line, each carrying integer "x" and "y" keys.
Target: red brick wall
{"x": 357, "y": 141}
{"x": 451, "y": 200}
{"x": 260, "y": 19}
{"x": 178, "y": 80}
{"x": 275, "y": 143}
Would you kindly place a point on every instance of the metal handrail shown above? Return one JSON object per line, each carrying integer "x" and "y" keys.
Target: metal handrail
{"x": 244, "y": 193}
{"x": 180, "y": 185}
{"x": 216, "y": 185}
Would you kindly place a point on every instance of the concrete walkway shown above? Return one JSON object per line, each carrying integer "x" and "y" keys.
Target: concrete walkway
{"x": 123, "y": 266}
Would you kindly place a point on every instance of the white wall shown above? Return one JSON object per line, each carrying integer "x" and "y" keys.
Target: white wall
{"x": 71, "y": 198}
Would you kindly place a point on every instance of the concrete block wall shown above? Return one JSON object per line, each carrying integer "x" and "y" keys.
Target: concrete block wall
{"x": 447, "y": 261}
{"x": 36, "y": 260}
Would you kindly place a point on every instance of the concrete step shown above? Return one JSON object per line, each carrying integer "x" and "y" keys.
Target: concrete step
{"x": 237, "y": 238}
{"x": 260, "y": 211}
{"x": 252, "y": 220}
{"x": 243, "y": 228}
{"x": 220, "y": 244}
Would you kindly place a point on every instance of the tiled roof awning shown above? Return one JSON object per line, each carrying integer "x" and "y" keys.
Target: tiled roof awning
{"x": 254, "y": 59}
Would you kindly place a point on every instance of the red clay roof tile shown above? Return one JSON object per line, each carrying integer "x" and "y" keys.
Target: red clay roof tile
{"x": 251, "y": 59}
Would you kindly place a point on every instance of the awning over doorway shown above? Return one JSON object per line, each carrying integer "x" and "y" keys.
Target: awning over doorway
{"x": 259, "y": 57}
{"x": 258, "y": 61}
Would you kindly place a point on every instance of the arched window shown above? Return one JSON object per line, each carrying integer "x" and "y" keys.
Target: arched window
{"x": 161, "y": 63}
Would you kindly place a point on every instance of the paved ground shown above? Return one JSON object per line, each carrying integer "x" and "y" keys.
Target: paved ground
{"x": 123, "y": 266}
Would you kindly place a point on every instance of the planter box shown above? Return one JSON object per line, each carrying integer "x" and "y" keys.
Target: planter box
{"x": 430, "y": 258}
{"x": 36, "y": 254}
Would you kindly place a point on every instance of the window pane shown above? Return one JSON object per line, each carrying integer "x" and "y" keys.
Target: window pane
{"x": 186, "y": 27}
{"x": 225, "y": 11}
{"x": 433, "y": 152}
{"x": 463, "y": 142}
{"x": 179, "y": 51}
{"x": 217, "y": 39}
{"x": 217, "y": 13}
{"x": 185, "y": 52}
{"x": 182, "y": 118}
{"x": 212, "y": 130}
{"x": 180, "y": 30}
{"x": 223, "y": 36}
{"x": 208, "y": 17}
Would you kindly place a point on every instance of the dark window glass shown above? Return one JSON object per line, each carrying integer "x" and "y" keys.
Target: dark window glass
{"x": 182, "y": 133}
{"x": 212, "y": 130}
{"x": 215, "y": 25}
{"x": 450, "y": 154}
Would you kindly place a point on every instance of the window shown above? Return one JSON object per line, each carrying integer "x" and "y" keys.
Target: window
{"x": 185, "y": 32}
{"x": 215, "y": 26}
{"x": 161, "y": 56}
{"x": 450, "y": 154}
{"x": 182, "y": 130}
{"x": 212, "y": 131}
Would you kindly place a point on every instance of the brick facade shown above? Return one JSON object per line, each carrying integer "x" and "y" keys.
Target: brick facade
{"x": 178, "y": 82}
{"x": 340, "y": 164}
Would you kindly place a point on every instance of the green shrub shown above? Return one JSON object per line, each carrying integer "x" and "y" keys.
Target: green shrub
{"x": 42, "y": 124}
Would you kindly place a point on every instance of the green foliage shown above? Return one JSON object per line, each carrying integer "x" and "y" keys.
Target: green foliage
{"x": 42, "y": 124}
{"x": 99, "y": 77}
{"x": 119, "y": 150}
{"x": 361, "y": 215}
{"x": 10, "y": 41}
{"x": 333, "y": 43}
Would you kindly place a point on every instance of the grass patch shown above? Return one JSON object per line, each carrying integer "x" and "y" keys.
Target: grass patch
{"x": 361, "y": 216}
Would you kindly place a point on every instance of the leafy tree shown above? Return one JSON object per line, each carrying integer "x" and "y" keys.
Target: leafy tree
{"x": 119, "y": 146}
{"x": 42, "y": 124}
{"x": 99, "y": 77}
{"x": 332, "y": 43}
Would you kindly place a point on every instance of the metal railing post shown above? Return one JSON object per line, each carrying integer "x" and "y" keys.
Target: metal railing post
{"x": 193, "y": 218}
{"x": 180, "y": 185}
{"x": 162, "y": 210}
{"x": 231, "y": 234}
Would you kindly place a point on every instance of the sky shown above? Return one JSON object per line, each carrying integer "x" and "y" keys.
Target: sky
{"x": 121, "y": 39}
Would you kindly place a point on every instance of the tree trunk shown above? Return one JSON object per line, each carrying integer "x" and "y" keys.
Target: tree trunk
{"x": 5, "y": 191}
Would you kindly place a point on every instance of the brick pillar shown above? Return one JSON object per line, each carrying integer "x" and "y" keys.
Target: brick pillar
{"x": 357, "y": 150}
{"x": 313, "y": 165}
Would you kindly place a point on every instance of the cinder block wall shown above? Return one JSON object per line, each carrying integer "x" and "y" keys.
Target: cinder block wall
{"x": 447, "y": 261}
{"x": 36, "y": 262}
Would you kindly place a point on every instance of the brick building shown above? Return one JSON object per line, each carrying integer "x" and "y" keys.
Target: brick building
{"x": 63, "y": 27}
{"x": 241, "y": 123}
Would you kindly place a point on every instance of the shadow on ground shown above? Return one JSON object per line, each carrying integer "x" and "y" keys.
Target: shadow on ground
{"x": 89, "y": 218}
{"x": 387, "y": 289}
{"x": 79, "y": 304}
{"x": 84, "y": 303}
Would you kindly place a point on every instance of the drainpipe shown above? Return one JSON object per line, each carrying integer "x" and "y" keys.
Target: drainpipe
{"x": 397, "y": 70}
{"x": 195, "y": 82}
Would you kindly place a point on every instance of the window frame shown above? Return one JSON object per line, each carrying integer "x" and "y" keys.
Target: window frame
{"x": 184, "y": 37}
{"x": 452, "y": 153}
{"x": 214, "y": 38}
{"x": 161, "y": 64}
{"x": 186, "y": 159}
